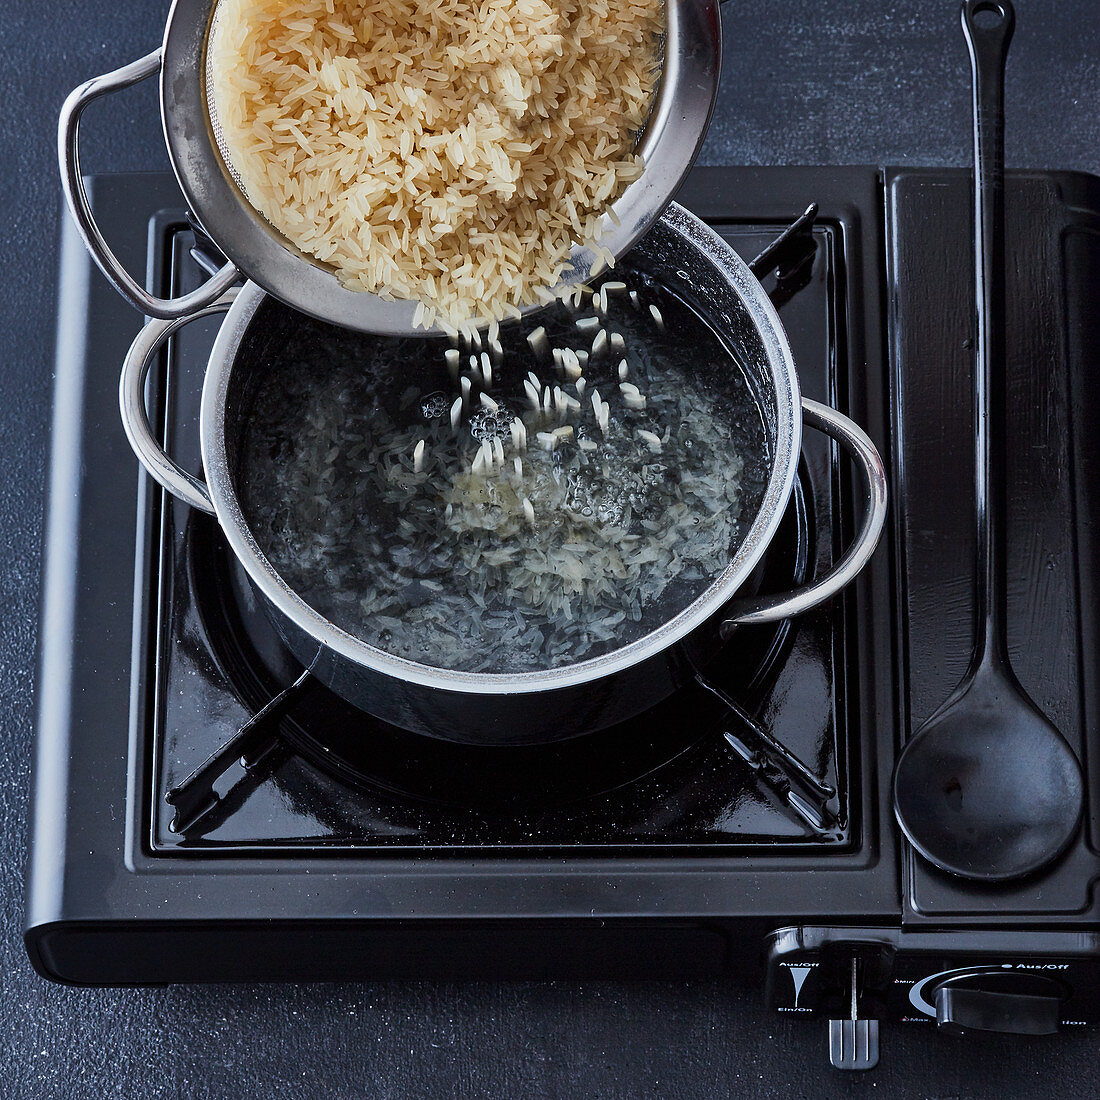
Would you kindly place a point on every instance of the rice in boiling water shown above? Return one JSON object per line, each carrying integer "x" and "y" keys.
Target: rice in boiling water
{"x": 530, "y": 528}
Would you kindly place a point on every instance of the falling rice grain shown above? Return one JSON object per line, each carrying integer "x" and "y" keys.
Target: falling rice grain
{"x": 486, "y": 369}
{"x": 529, "y": 511}
{"x": 519, "y": 435}
{"x": 624, "y": 370}
{"x": 617, "y": 342}
{"x": 532, "y": 392}
{"x": 651, "y": 440}
{"x": 418, "y": 457}
{"x": 599, "y": 345}
{"x": 456, "y": 412}
{"x": 452, "y": 357}
{"x": 657, "y": 317}
{"x": 538, "y": 342}
{"x": 466, "y": 385}
{"x": 587, "y": 323}
{"x": 489, "y": 403}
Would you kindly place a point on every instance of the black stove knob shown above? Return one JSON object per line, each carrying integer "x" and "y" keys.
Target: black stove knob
{"x": 1011, "y": 1002}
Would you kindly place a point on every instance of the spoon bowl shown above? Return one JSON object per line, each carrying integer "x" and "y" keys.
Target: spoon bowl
{"x": 988, "y": 788}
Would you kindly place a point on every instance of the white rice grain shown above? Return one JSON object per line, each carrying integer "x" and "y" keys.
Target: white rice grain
{"x": 538, "y": 342}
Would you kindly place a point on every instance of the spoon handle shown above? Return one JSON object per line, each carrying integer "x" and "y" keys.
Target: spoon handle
{"x": 988, "y": 26}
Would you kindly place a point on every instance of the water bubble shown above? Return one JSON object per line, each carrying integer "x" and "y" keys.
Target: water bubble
{"x": 492, "y": 423}
{"x": 435, "y": 405}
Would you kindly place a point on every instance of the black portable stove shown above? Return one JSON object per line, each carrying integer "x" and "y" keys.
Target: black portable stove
{"x": 195, "y": 821}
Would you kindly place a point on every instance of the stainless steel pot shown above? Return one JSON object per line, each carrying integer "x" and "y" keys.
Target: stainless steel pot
{"x": 529, "y": 707}
{"x": 691, "y": 66}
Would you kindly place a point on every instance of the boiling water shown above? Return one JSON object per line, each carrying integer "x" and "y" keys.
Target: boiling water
{"x": 474, "y": 552}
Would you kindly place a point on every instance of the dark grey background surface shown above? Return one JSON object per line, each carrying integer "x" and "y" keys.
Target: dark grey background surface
{"x": 831, "y": 82}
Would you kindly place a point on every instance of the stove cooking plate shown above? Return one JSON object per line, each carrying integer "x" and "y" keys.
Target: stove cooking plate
{"x": 336, "y": 778}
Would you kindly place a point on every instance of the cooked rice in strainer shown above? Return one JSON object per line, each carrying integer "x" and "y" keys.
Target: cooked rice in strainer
{"x": 446, "y": 151}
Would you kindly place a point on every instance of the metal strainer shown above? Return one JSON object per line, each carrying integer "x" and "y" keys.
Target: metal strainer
{"x": 682, "y": 106}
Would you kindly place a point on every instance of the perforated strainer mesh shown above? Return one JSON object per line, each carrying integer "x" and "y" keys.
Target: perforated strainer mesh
{"x": 211, "y": 102}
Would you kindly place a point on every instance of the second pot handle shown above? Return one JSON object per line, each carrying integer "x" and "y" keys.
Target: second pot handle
{"x": 68, "y": 153}
{"x": 135, "y": 417}
{"x": 769, "y": 609}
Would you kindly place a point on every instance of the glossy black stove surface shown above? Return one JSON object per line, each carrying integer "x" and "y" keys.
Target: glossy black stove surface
{"x": 666, "y": 848}
{"x": 336, "y": 779}
{"x": 673, "y": 846}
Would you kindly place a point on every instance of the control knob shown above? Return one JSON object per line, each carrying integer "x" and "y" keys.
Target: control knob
{"x": 1012, "y": 1001}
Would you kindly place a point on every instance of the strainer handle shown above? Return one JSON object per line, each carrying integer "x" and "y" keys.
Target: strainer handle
{"x": 854, "y": 439}
{"x": 135, "y": 417}
{"x": 68, "y": 152}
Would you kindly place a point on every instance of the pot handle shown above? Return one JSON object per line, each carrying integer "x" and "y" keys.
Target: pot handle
{"x": 855, "y": 440}
{"x": 68, "y": 153}
{"x": 135, "y": 417}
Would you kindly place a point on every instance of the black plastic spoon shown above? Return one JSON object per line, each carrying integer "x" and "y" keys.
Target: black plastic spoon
{"x": 988, "y": 788}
